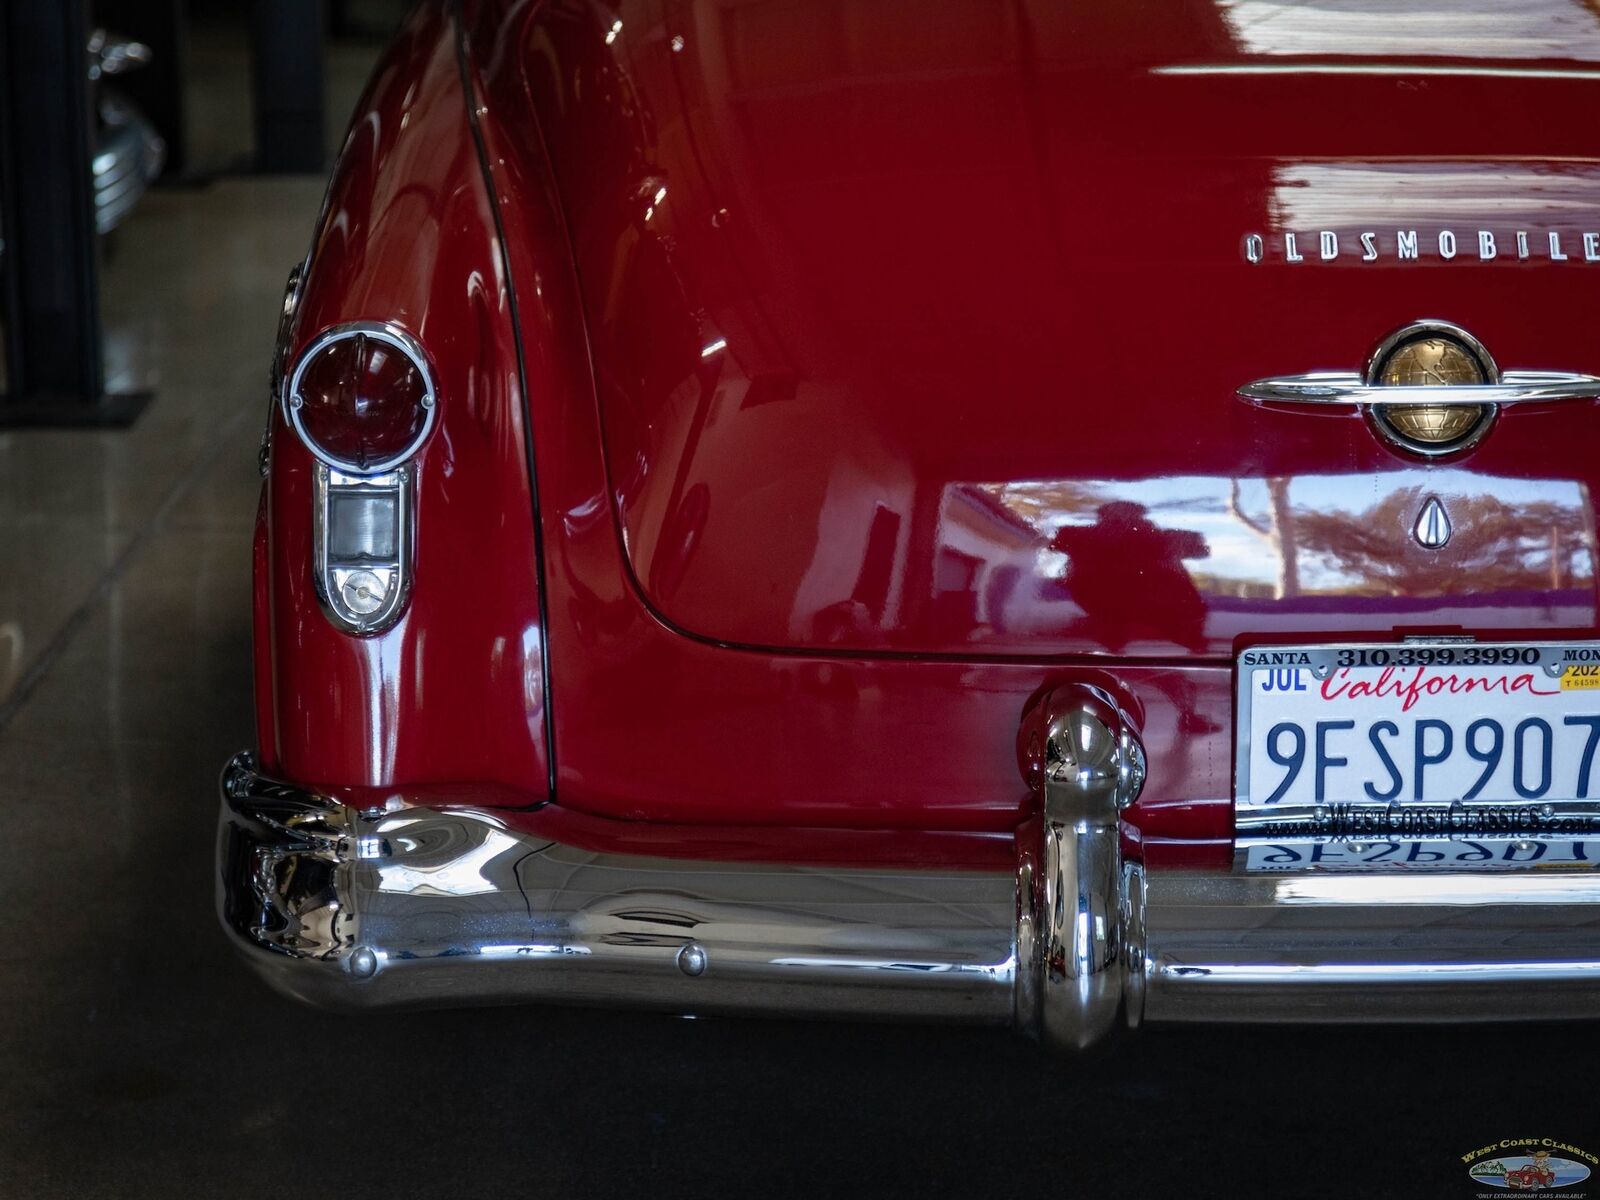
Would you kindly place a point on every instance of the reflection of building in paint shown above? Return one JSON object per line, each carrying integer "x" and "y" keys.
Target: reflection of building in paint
{"x": 1483, "y": 29}
{"x": 985, "y": 551}
{"x": 1350, "y": 198}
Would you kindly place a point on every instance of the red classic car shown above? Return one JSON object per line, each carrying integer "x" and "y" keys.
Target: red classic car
{"x": 1530, "y": 1177}
{"x": 1044, "y": 514}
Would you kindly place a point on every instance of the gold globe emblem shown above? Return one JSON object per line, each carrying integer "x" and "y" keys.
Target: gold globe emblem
{"x": 1431, "y": 360}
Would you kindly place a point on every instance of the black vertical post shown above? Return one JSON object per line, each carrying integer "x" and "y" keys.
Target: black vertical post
{"x": 52, "y": 322}
{"x": 10, "y": 284}
{"x": 286, "y": 78}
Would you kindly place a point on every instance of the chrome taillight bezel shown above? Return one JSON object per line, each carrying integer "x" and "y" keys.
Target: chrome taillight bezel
{"x": 390, "y": 334}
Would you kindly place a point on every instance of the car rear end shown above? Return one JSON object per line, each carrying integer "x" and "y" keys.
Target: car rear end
{"x": 1038, "y": 516}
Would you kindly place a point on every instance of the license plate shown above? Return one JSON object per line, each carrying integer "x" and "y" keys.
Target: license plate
{"x": 1419, "y": 739}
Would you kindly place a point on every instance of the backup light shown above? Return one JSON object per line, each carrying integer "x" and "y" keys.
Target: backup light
{"x": 362, "y": 546}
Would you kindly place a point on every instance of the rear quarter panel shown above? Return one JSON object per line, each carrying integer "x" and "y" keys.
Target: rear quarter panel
{"x": 455, "y": 690}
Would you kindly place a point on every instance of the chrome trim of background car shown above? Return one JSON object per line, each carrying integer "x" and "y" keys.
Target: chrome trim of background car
{"x": 129, "y": 155}
{"x": 419, "y": 906}
{"x": 110, "y": 54}
{"x": 382, "y": 331}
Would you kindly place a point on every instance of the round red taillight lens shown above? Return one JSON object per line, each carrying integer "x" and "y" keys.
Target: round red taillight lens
{"x": 361, "y": 398}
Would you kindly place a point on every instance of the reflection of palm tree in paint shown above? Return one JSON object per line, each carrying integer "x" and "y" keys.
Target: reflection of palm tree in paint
{"x": 1278, "y": 531}
{"x": 1500, "y": 546}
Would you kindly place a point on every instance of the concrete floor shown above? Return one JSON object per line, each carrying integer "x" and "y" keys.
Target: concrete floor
{"x": 138, "y": 1060}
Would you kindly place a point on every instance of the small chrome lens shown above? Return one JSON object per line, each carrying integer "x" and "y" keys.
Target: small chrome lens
{"x": 363, "y": 593}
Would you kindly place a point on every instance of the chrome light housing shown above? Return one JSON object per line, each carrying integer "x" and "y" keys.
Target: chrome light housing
{"x": 362, "y": 400}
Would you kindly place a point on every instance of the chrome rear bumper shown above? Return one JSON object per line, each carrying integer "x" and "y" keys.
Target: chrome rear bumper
{"x": 426, "y": 907}
{"x": 416, "y": 906}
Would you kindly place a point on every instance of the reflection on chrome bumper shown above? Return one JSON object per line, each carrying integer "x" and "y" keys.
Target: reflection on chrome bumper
{"x": 417, "y": 906}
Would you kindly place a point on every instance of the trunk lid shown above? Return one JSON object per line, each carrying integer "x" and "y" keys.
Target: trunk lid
{"x": 917, "y": 327}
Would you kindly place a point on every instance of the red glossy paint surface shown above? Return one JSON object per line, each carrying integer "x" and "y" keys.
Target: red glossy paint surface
{"x": 455, "y": 690}
{"x": 917, "y": 328}
{"x": 654, "y": 725}
{"x": 897, "y": 345}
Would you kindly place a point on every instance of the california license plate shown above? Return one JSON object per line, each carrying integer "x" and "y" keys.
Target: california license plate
{"x": 1419, "y": 739}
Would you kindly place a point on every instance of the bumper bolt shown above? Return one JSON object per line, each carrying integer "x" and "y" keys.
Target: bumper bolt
{"x": 692, "y": 960}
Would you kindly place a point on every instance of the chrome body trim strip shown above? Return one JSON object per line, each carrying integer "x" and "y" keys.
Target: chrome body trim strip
{"x": 1348, "y": 387}
{"x": 280, "y": 347}
{"x": 1383, "y": 69}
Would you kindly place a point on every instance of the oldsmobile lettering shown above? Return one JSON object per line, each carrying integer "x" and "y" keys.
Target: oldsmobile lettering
{"x": 1415, "y": 245}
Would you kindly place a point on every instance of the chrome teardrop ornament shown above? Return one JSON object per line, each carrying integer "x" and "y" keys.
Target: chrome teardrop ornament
{"x": 1432, "y": 529}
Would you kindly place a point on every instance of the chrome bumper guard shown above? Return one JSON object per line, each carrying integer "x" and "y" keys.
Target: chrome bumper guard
{"x": 415, "y": 906}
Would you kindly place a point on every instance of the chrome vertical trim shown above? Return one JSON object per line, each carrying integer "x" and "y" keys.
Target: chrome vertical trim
{"x": 280, "y": 348}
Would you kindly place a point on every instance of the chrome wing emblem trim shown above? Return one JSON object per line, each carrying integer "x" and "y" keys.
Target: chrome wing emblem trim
{"x": 1348, "y": 387}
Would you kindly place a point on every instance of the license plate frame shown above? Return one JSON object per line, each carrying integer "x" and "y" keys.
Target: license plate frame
{"x": 1429, "y": 817}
